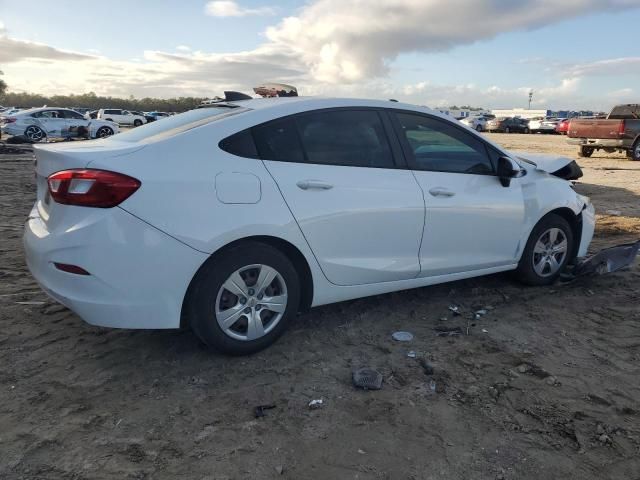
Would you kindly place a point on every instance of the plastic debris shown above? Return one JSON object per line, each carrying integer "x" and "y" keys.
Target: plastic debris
{"x": 367, "y": 379}
{"x": 608, "y": 260}
{"x": 615, "y": 213}
{"x": 411, "y": 354}
{"x": 402, "y": 336}
{"x": 448, "y": 331}
{"x": 30, "y": 303}
{"x": 455, "y": 309}
{"x": 484, "y": 330}
{"x": 260, "y": 410}
{"x": 315, "y": 404}
{"x": 432, "y": 385}
{"x": 482, "y": 311}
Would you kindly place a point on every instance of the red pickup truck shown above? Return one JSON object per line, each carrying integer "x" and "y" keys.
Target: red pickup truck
{"x": 619, "y": 131}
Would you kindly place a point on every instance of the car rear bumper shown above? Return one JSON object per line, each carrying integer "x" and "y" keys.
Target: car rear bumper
{"x": 138, "y": 275}
{"x": 599, "y": 142}
{"x": 10, "y": 129}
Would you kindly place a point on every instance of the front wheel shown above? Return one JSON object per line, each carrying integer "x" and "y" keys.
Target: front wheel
{"x": 585, "y": 151}
{"x": 104, "y": 132}
{"x": 242, "y": 301}
{"x": 526, "y": 130}
{"x": 547, "y": 251}
{"x": 137, "y": 123}
{"x": 507, "y": 130}
{"x": 478, "y": 128}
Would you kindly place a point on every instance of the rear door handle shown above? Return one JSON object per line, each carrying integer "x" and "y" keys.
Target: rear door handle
{"x": 441, "y": 192}
{"x": 314, "y": 184}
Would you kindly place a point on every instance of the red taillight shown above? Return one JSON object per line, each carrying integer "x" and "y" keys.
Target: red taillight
{"x": 621, "y": 128}
{"x": 91, "y": 188}
{"x": 10, "y": 120}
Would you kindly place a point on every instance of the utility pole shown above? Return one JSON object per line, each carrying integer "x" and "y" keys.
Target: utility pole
{"x": 530, "y": 97}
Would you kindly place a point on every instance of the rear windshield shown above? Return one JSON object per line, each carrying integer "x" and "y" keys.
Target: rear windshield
{"x": 176, "y": 124}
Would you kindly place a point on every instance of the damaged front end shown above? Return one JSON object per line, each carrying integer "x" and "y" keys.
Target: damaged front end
{"x": 561, "y": 167}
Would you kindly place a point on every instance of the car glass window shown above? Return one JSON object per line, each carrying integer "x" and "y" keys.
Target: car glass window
{"x": 240, "y": 144}
{"x": 436, "y": 145}
{"x": 354, "y": 138}
{"x": 74, "y": 115}
{"x": 278, "y": 140}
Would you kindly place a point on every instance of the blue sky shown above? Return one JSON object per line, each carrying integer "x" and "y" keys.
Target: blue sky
{"x": 573, "y": 54}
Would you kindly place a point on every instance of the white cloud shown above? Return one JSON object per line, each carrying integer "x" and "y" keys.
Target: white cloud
{"x": 183, "y": 48}
{"x": 612, "y": 66}
{"x": 227, "y": 8}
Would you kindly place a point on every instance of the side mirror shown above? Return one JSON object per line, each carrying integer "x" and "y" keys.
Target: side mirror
{"x": 506, "y": 170}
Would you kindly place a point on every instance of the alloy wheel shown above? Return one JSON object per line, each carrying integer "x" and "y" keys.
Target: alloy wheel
{"x": 251, "y": 302}
{"x": 549, "y": 252}
{"x": 33, "y": 133}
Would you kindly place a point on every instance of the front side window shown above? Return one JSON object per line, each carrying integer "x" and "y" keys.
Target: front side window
{"x": 436, "y": 145}
{"x": 353, "y": 138}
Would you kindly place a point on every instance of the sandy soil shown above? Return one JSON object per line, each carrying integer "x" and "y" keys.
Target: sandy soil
{"x": 546, "y": 385}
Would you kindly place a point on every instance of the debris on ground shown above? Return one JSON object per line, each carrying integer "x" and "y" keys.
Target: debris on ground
{"x": 608, "y": 260}
{"x": 315, "y": 404}
{"x": 367, "y": 379}
{"x": 615, "y": 213}
{"x": 428, "y": 369}
{"x": 402, "y": 336}
{"x": 448, "y": 331}
{"x": 455, "y": 309}
{"x": 411, "y": 354}
{"x": 260, "y": 410}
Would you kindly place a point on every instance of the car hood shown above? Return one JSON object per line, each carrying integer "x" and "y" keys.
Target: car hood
{"x": 562, "y": 167}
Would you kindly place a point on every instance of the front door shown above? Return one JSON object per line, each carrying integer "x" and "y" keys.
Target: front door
{"x": 472, "y": 222}
{"x": 361, "y": 215}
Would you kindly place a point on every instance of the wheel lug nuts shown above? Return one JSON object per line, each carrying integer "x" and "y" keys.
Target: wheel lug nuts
{"x": 260, "y": 297}
{"x": 251, "y": 292}
{"x": 243, "y": 300}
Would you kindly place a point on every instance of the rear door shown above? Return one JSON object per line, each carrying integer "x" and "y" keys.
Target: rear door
{"x": 472, "y": 222}
{"x": 360, "y": 213}
{"x": 51, "y": 122}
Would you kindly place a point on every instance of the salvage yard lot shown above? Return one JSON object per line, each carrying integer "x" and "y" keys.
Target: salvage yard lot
{"x": 545, "y": 385}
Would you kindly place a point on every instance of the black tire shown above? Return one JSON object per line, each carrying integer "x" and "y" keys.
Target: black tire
{"x": 507, "y": 130}
{"x": 104, "y": 132}
{"x": 34, "y": 134}
{"x": 478, "y": 128}
{"x": 137, "y": 123}
{"x": 634, "y": 153}
{"x": 526, "y": 272}
{"x": 200, "y": 304}
{"x": 526, "y": 130}
{"x": 585, "y": 151}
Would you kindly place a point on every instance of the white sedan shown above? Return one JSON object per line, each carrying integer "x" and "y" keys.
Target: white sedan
{"x": 230, "y": 219}
{"x": 41, "y": 124}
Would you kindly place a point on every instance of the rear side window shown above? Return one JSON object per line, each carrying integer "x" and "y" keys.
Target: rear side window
{"x": 278, "y": 140}
{"x": 240, "y": 144}
{"x": 436, "y": 145}
{"x": 349, "y": 138}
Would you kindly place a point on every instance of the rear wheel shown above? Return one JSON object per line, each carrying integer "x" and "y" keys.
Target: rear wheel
{"x": 137, "y": 123}
{"x": 478, "y": 128}
{"x": 585, "y": 151}
{"x": 104, "y": 132}
{"x": 35, "y": 134}
{"x": 547, "y": 251}
{"x": 526, "y": 130}
{"x": 634, "y": 153}
{"x": 242, "y": 301}
{"x": 507, "y": 130}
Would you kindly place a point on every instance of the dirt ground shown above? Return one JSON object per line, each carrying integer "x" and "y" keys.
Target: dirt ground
{"x": 546, "y": 385}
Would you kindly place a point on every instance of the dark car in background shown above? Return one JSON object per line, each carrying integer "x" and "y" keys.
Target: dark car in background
{"x": 508, "y": 125}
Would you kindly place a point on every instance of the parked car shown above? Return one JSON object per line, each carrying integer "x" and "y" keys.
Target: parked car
{"x": 477, "y": 122}
{"x": 563, "y": 126}
{"x": 543, "y": 124}
{"x": 508, "y": 125}
{"x": 121, "y": 117}
{"x": 9, "y": 111}
{"x": 619, "y": 131}
{"x": 93, "y": 114}
{"x": 234, "y": 217}
{"x": 40, "y": 124}
{"x": 158, "y": 115}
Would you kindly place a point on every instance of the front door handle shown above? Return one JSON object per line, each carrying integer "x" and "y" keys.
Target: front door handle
{"x": 441, "y": 192}
{"x": 314, "y": 184}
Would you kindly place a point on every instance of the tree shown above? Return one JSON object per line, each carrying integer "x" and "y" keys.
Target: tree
{"x": 3, "y": 88}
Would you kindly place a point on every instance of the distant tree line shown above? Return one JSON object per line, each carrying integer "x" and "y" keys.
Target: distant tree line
{"x": 92, "y": 101}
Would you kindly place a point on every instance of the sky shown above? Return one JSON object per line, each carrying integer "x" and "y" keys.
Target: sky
{"x": 573, "y": 54}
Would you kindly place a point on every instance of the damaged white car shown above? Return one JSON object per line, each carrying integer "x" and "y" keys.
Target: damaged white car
{"x": 42, "y": 124}
{"x": 234, "y": 217}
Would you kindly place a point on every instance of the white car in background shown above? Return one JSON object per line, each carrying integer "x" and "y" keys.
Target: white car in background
{"x": 477, "y": 122}
{"x": 41, "y": 124}
{"x": 121, "y": 117}
{"x": 544, "y": 124}
{"x": 232, "y": 218}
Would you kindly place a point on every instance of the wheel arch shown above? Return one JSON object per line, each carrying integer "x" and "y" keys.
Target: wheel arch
{"x": 290, "y": 250}
{"x": 574, "y": 221}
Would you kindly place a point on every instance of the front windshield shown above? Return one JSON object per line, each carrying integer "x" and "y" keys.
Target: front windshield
{"x": 175, "y": 124}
